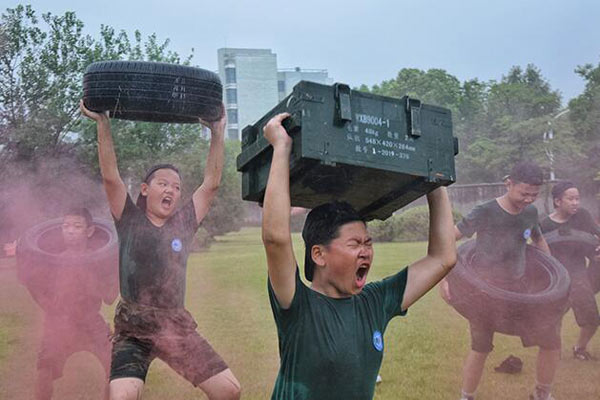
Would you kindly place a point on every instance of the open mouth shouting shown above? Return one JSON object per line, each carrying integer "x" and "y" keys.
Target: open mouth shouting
{"x": 361, "y": 275}
{"x": 167, "y": 202}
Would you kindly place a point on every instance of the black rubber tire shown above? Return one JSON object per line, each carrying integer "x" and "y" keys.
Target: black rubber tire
{"x": 153, "y": 92}
{"x": 580, "y": 242}
{"x": 512, "y": 313}
{"x": 39, "y": 251}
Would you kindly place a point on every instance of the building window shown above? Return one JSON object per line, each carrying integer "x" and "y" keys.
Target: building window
{"x": 231, "y": 96}
{"x": 281, "y": 86}
{"x": 230, "y": 75}
{"x": 232, "y": 134}
{"x": 232, "y": 117}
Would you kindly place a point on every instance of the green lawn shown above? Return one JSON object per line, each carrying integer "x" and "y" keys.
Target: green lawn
{"x": 226, "y": 293}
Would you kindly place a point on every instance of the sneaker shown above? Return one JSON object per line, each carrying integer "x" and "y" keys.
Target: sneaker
{"x": 583, "y": 354}
{"x": 378, "y": 379}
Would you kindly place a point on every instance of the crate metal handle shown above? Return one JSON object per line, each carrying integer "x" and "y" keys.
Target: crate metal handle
{"x": 413, "y": 108}
{"x": 343, "y": 107}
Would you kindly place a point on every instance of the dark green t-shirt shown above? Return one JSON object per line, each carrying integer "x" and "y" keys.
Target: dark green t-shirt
{"x": 332, "y": 348}
{"x": 152, "y": 260}
{"x": 501, "y": 239}
{"x": 571, "y": 256}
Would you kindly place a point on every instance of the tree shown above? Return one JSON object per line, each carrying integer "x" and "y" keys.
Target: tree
{"x": 434, "y": 86}
{"x": 522, "y": 95}
{"x": 497, "y": 123}
{"x": 585, "y": 117}
{"x": 45, "y": 143}
{"x": 471, "y": 109}
{"x": 517, "y": 112}
{"x": 41, "y": 70}
{"x": 36, "y": 80}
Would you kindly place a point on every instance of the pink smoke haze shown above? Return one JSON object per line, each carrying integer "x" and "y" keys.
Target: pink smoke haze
{"x": 47, "y": 303}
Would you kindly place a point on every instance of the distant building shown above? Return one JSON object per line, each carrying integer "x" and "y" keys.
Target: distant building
{"x": 287, "y": 78}
{"x": 252, "y": 85}
{"x": 249, "y": 79}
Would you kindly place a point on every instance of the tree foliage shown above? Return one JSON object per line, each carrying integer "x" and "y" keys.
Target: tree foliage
{"x": 38, "y": 85}
{"x": 585, "y": 118}
{"x": 434, "y": 86}
{"x": 409, "y": 225}
{"x": 42, "y": 61}
{"x": 41, "y": 69}
{"x": 497, "y": 122}
{"x": 522, "y": 95}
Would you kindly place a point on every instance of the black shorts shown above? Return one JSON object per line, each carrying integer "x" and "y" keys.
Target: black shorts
{"x": 143, "y": 333}
{"x": 583, "y": 300}
{"x": 482, "y": 338}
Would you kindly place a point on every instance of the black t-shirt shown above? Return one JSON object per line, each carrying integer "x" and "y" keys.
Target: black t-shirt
{"x": 570, "y": 256}
{"x": 501, "y": 239}
{"x": 332, "y": 348}
{"x": 152, "y": 260}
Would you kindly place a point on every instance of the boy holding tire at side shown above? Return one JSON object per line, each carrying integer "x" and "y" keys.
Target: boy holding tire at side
{"x": 155, "y": 237}
{"x": 331, "y": 333}
{"x": 503, "y": 226}
{"x": 568, "y": 215}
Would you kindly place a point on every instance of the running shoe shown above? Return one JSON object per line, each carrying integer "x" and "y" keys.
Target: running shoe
{"x": 583, "y": 354}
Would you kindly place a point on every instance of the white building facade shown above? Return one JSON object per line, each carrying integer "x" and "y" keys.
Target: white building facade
{"x": 252, "y": 84}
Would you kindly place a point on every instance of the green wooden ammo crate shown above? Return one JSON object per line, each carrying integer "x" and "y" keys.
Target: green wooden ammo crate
{"x": 377, "y": 153}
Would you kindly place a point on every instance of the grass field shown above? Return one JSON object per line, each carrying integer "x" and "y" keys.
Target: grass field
{"x": 226, "y": 293}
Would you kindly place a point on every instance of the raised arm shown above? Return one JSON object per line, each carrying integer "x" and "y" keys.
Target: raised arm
{"x": 276, "y": 233}
{"x": 116, "y": 192}
{"x": 441, "y": 252}
{"x": 443, "y": 286}
{"x": 205, "y": 194}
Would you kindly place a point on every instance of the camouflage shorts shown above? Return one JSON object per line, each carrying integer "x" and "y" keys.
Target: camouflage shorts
{"x": 143, "y": 333}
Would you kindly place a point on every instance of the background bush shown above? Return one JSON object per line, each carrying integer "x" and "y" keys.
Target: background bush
{"x": 407, "y": 226}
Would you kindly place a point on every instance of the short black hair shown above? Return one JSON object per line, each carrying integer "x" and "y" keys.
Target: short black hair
{"x": 81, "y": 212}
{"x": 322, "y": 226}
{"x": 527, "y": 172}
{"x": 152, "y": 170}
{"x": 561, "y": 187}
{"x": 141, "y": 200}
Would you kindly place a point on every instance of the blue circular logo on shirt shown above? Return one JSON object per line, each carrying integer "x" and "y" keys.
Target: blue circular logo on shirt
{"x": 176, "y": 245}
{"x": 527, "y": 233}
{"x": 377, "y": 341}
